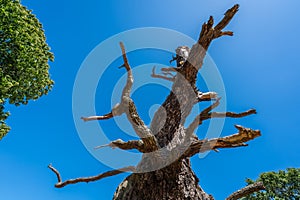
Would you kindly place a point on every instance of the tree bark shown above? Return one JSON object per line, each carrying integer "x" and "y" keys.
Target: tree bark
{"x": 176, "y": 181}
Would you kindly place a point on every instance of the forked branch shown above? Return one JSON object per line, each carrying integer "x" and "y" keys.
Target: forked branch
{"x": 227, "y": 18}
{"x": 255, "y": 187}
{"x": 119, "y": 108}
{"x": 207, "y": 35}
{"x": 128, "y": 107}
{"x": 207, "y": 114}
{"x": 61, "y": 183}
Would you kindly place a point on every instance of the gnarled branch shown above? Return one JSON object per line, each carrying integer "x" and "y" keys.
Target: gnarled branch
{"x": 131, "y": 144}
{"x": 255, "y": 187}
{"x": 207, "y": 35}
{"x": 231, "y": 141}
{"x": 207, "y": 114}
{"x": 227, "y": 18}
{"x": 128, "y": 107}
{"x": 119, "y": 108}
{"x": 61, "y": 183}
{"x": 150, "y": 142}
{"x": 154, "y": 75}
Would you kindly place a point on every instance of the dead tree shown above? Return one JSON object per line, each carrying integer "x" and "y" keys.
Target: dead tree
{"x": 167, "y": 145}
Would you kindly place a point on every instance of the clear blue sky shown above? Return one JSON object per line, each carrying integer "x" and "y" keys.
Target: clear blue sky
{"x": 259, "y": 66}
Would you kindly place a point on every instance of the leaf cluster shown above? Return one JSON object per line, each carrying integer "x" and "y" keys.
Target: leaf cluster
{"x": 24, "y": 57}
{"x": 281, "y": 185}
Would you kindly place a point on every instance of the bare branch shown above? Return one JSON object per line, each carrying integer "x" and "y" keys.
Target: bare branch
{"x": 128, "y": 107}
{"x": 255, "y": 187}
{"x": 61, "y": 184}
{"x": 168, "y": 69}
{"x": 56, "y": 173}
{"x": 210, "y": 22}
{"x": 91, "y": 118}
{"x": 223, "y": 33}
{"x": 126, "y": 64}
{"x": 168, "y": 74}
{"x": 129, "y": 83}
{"x": 211, "y": 107}
{"x": 207, "y": 96}
{"x": 231, "y": 141}
{"x": 207, "y": 35}
{"x": 137, "y": 123}
{"x": 119, "y": 108}
{"x": 154, "y": 75}
{"x": 232, "y": 114}
{"x": 131, "y": 144}
{"x": 198, "y": 120}
{"x": 227, "y": 18}
{"x": 224, "y": 22}
{"x": 207, "y": 114}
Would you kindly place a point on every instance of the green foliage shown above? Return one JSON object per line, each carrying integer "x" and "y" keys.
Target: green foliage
{"x": 24, "y": 56}
{"x": 282, "y": 185}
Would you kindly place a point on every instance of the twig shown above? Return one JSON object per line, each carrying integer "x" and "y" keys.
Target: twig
{"x": 129, "y": 83}
{"x": 228, "y": 33}
{"x": 61, "y": 184}
{"x": 56, "y": 173}
{"x": 168, "y": 69}
{"x": 91, "y": 118}
{"x": 255, "y": 187}
{"x": 154, "y": 75}
{"x": 232, "y": 114}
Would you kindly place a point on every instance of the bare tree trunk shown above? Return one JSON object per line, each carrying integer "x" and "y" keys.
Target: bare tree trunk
{"x": 176, "y": 181}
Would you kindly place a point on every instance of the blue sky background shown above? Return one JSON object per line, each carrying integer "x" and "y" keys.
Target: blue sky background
{"x": 259, "y": 66}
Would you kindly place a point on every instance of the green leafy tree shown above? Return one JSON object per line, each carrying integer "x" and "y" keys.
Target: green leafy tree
{"x": 24, "y": 56}
{"x": 282, "y": 185}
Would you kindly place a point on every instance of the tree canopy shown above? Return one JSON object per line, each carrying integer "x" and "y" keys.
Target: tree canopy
{"x": 281, "y": 185}
{"x": 24, "y": 57}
